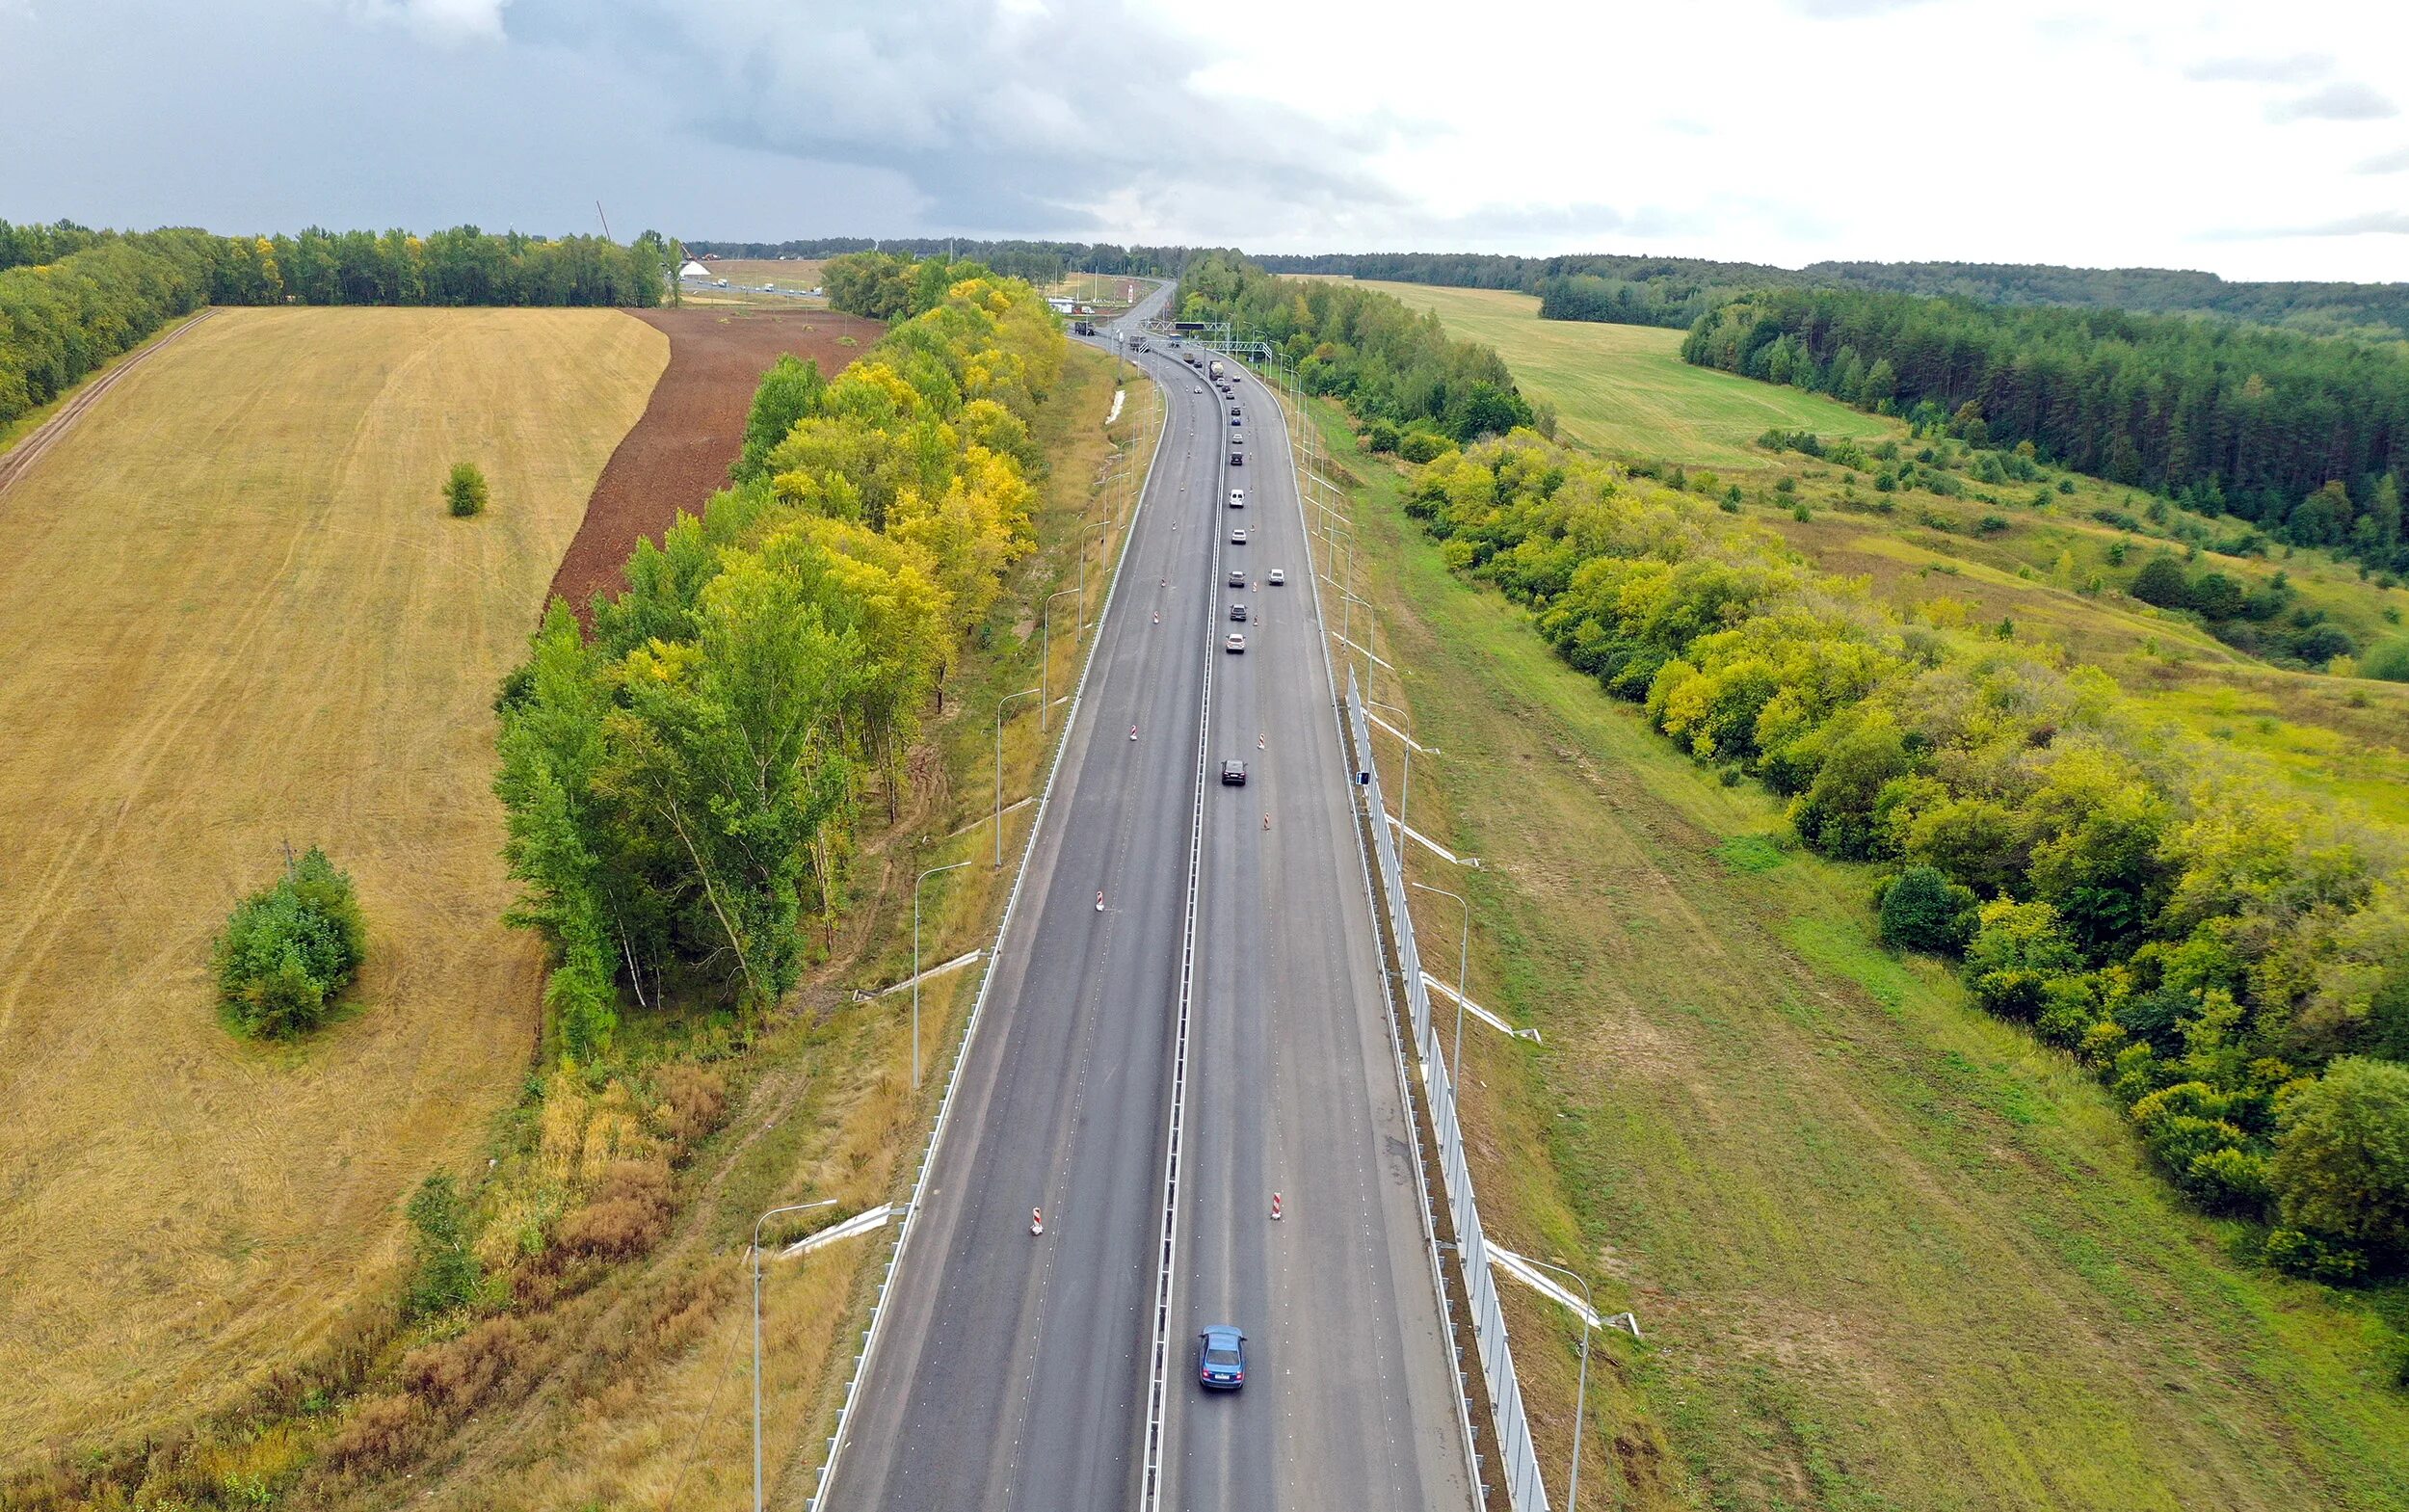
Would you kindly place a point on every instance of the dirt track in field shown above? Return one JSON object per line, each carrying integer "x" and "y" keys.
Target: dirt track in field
{"x": 677, "y": 455}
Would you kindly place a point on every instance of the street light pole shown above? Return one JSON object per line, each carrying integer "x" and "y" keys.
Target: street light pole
{"x": 1045, "y": 657}
{"x": 999, "y": 767}
{"x": 1580, "y": 1399}
{"x": 915, "y": 965}
{"x": 1462, "y": 955}
{"x": 826, "y": 1202}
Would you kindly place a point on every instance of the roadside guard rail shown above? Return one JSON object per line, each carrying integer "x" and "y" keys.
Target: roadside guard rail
{"x": 1518, "y": 1460}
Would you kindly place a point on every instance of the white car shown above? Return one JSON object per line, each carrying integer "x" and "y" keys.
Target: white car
{"x": 1195, "y": 388}
{"x": 1237, "y": 537}
{"x": 1279, "y": 578}
{"x": 1237, "y": 498}
{"x": 1236, "y": 643}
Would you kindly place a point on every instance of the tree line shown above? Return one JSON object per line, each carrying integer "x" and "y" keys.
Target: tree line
{"x": 1358, "y": 344}
{"x": 1038, "y": 262}
{"x": 2232, "y": 961}
{"x": 1632, "y": 289}
{"x": 2305, "y": 437}
{"x": 78, "y": 298}
{"x": 680, "y": 786}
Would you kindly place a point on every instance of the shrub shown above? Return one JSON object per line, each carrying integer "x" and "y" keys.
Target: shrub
{"x": 694, "y": 1102}
{"x": 2342, "y": 1156}
{"x": 443, "y": 1273}
{"x": 2017, "y": 949}
{"x": 455, "y": 1377}
{"x": 1923, "y": 910}
{"x": 2307, "y": 1254}
{"x": 381, "y": 1432}
{"x": 464, "y": 490}
{"x": 288, "y": 950}
{"x": 1382, "y": 437}
{"x": 1420, "y": 447}
{"x": 2161, "y": 582}
{"x": 2389, "y": 662}
{"x": 627, "y": 1215}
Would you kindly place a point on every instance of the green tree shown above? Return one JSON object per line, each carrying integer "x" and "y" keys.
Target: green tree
{"x": 2341, "y": 1156}
{"x": 2017, "y": 951}
{"x": 1923, "y": 910}
{"x": 464, "y": 490}
{"x": 788, "y": 393}
{"x": 2162, "y": 581}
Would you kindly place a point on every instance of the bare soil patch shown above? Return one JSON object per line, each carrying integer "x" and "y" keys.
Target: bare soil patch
{"x": 693, "y": 427}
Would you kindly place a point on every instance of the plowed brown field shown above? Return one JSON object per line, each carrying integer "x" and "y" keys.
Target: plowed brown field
{"x": 694, "y": 426}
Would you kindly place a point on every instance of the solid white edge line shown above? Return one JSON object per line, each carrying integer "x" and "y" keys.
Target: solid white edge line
{"x": 871, "y": 1335}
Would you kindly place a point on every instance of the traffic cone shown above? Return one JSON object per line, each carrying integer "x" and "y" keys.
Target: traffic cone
{"x": 1037, "y": 1221}
{"x": 1258, "y": 742}
{"x": 1275, "y": 1206}
{"x": 1099, "y": 900}
{"x": 1267, "y": 821}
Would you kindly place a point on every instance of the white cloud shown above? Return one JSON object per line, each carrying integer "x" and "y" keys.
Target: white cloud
{"x": 2335, "y": 102}
{"x": 2297, "y": 68}
{"x": 2054, "y": 134}
{"x": 442, "y": 21}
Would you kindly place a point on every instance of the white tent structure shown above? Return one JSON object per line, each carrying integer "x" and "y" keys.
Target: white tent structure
{"x": 694, "y": 270}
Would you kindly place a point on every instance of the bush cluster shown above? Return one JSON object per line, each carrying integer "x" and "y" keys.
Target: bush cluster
{"x": 289, "y": 950}
{"x": 2233, "y": 963}
{"x": 1363, "y": 346}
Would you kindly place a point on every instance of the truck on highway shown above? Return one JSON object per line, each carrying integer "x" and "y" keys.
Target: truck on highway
{"x": 1214, "y": 369}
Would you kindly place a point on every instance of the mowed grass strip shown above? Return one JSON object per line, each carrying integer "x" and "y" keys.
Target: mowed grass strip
{"x": 238, "y": 617}
{"x": 1888, "y": 1252}
{"x": 1624, "y": 388}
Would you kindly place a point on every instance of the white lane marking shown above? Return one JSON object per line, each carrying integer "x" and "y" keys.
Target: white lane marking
{"x": 1159, "y": 1387}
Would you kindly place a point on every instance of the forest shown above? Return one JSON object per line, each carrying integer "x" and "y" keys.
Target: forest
{"x": 72, "y": 298}
{"x": 680, "y": 787}
{"x": 1363, "y": 346}
{"x": 1656, "y": 291}
{"x": 1038, "y": 262}
{"x": 2307, "y": 438}
{"x": 2230, "y": 960}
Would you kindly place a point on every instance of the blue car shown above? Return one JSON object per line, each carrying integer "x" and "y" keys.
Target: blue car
{"x": 1221, "y": 1358}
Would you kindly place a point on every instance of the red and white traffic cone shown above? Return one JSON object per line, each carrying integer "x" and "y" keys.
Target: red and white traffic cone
{"x": 1037, "y": 1221}
{"x": 1267, "y": 821}
{"x": 1133, "y": 732}
{"x": 1099, "y": 900}
{"x": 1275, "y": 1206}
{"x": 1258, "y": 742}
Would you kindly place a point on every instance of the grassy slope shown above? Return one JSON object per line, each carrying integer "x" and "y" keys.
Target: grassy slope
{"x": 1886, "y": 1251}
{"x": 642, "y": 1393}
{"x": 237, "y": 617}
{"x": 1624, "y": 388}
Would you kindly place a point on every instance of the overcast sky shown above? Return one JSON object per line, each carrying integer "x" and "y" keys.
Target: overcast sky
{"x": 2259, "y": 141}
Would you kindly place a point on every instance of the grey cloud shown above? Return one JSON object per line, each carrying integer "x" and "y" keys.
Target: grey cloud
{"x": 1012, "y": 120}
{"x": 2396, "y": 161}
{"x": 2334, "y": 102}
{"x": 2299, "y": 69}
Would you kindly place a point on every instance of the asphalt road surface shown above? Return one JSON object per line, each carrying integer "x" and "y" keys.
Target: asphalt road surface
{"x": 1012, "y": 1372}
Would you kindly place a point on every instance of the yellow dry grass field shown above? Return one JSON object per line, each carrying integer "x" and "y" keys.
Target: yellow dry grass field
{"x": 237, "y": 617}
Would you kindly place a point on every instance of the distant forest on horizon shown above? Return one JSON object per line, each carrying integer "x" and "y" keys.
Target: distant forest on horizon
{"x": 1638, "y": 290}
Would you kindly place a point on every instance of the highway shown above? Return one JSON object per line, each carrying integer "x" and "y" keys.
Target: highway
{"x": 1013, "y": 1370}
